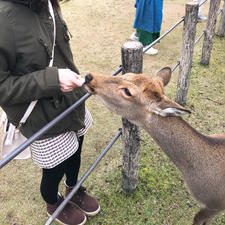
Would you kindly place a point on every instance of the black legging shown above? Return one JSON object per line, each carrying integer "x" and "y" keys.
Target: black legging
{"x": 52, "y": 177}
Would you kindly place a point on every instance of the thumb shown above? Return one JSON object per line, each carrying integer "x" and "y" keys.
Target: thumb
{"x": 79, "y": 81}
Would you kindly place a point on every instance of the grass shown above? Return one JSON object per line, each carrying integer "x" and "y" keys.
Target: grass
{"x": 99, "y": 29}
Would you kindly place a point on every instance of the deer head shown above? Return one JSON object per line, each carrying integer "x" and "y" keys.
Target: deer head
{"x": 134, "y": 96}
{"x": 140, "y": 99}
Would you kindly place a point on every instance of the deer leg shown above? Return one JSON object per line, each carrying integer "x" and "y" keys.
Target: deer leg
{"x": 204, "y": 216}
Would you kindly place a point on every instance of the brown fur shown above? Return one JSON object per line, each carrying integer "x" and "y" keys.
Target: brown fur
{"x": 200, "y": 158}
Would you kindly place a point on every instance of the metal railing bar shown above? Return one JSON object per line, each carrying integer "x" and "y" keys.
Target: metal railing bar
{"x": 176, "y": 65}
{"x": 117, "y": 71}
{"x": 163, "y": 35}
{"x": 83, "y": 178}
{"x": 199, "y": 38}
{"x": 43, "y": 130}
{"x": 202, "y": 3}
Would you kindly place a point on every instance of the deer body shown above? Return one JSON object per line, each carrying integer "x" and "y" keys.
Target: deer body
{"x": 200, "y": 158}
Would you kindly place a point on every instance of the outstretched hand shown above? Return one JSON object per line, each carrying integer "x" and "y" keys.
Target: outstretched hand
{"x": 68, "y": 80}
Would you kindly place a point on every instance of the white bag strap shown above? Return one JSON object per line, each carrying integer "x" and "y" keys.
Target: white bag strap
{"x": 28, "y": 111}
{"x": 33, "y": 103}
{"x": 51, "y": 11}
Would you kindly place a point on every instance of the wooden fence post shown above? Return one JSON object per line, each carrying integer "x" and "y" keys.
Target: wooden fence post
{"x": 221, "y": 28}
{"x": 210, "y": 31}
{"x": 132, "y": 61}
{"x": 189, "y": 31}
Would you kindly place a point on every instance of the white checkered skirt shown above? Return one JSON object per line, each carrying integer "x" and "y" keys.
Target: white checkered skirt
{"x": 50, "y": 152}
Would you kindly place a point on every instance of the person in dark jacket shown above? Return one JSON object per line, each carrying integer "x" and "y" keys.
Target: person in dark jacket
{"x": 26, "y": 46}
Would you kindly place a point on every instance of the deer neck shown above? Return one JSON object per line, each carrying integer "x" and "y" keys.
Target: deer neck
{"x": 182, "y": 143}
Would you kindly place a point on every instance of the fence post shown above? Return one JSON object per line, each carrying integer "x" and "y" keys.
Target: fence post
{"x": 132, "y": 61}
{"x": 210, "y": 31}
{"x": 221, "y": 28}
{"x": 189, "y": 31}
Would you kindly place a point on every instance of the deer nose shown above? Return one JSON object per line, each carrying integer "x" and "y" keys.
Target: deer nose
{"x": 88, "y": 78}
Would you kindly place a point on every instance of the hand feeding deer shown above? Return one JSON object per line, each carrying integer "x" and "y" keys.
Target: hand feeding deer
{"x": 200, "y": 158}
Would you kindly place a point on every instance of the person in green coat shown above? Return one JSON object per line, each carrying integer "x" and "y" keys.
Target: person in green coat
{"x": 26, "y": 43}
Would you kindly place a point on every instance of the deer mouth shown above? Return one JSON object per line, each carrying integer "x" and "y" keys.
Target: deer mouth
{"x": 87, "y": 85}
{"x": 89, "y": 89}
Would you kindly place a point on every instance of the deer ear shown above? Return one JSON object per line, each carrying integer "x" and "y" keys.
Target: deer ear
{"x": 164, "y": 75}
{"x": 171, "y": 108}
{"x": 173, "y": 112}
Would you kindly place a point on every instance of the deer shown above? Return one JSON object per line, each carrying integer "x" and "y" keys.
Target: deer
{"x": 200, "y": 158}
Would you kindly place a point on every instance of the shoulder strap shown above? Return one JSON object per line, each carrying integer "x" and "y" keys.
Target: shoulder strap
{"x": 33, "y": 103}
{"x": 51, "y": 11}
{"x": 28, "y": 111}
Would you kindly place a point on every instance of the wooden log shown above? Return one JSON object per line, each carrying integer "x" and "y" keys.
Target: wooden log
{"x": 189, "y": 32}
{"x": 132, "y": 61}
{"x": 221, "y": 27}
{"x": 210, "y": 32}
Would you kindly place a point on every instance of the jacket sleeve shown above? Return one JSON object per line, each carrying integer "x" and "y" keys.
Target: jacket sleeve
{"x": 17, "y": 89}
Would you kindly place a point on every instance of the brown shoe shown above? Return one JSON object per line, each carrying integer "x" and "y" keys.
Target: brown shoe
{"x": 69, "y": 215}
{"x": 85, "y": 202}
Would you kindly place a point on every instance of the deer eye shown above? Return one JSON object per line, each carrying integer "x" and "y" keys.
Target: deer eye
{"x": 157, "y": 96}
{"x": 127, "y": 92}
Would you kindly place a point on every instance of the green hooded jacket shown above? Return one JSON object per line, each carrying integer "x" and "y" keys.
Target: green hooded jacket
{"x": 26, "y": 41}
